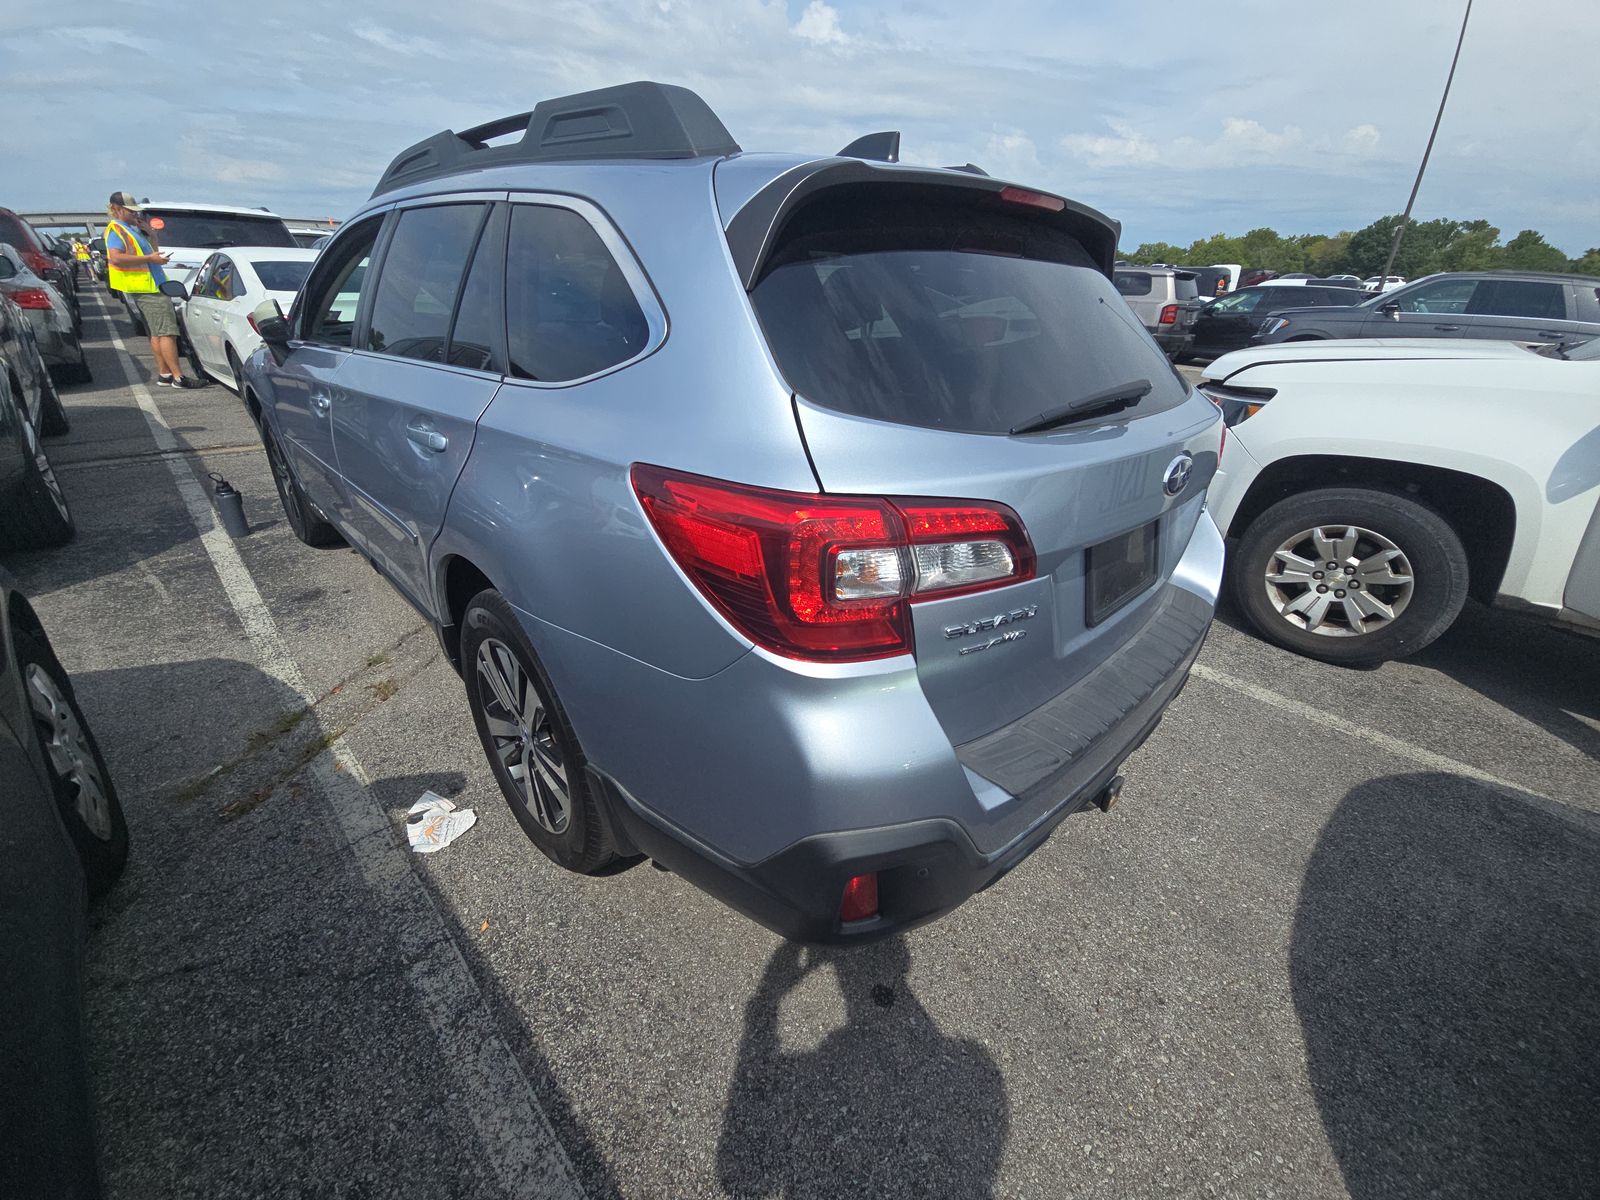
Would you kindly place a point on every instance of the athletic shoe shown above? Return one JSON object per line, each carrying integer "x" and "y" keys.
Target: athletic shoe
{"x": 164, "y": 381}
{"x": 183, "y": 381}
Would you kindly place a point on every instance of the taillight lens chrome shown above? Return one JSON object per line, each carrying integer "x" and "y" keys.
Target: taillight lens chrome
{"x": 828, "y": 578}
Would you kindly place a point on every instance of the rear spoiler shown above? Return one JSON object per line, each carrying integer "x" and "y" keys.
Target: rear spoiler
{"x": 757, "y": 227}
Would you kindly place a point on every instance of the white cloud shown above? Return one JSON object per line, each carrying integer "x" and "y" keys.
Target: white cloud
{"x": 820, "y": 24}
{"x": 395, "y": 43}
{"x": 1244, "y": 138}
{"x": 1363, "y": 139}
{"x": 1125, "y": 146}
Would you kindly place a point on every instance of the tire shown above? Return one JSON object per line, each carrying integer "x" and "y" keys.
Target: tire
{"x": 85, "y": 795}
{"x": 52, "y": 413}
{"x": 1397, "y": 538}
{"x": 36, "y": 515}
{"x": 237, "y": 368}
{"x": 78, "y": 372}
{"x": 302, "y": 515}
{"x": 552, "y": 800}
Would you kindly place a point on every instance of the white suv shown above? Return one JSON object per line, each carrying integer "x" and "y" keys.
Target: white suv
{"x": 1372, "y": 486}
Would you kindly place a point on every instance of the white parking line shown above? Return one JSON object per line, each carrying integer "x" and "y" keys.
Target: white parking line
{"x": 1396, "y": 746}
{"x": 517, "y": 1137}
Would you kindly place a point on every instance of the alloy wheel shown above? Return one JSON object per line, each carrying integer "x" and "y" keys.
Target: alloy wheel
{"x": 67, "y": 746}
{"x": 1339, "y": 581}
{"x": 524, "y": 736}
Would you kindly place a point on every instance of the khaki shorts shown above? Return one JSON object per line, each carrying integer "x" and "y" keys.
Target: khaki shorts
{"x": 160, "y": 318}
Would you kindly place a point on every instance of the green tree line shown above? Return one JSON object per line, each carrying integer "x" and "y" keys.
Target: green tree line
{"x": 1429, "y": 246}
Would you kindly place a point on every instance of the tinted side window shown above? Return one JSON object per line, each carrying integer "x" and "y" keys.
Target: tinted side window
{"x": 334, "y": 291}
{"x": 1445, "y": 296}
{"x": 202, "y": 279}
{"x": 224, "y": 280}
{"x": 417, "y": 284}
{"x": 1132, "y": 283}
{"x": 475, "y": 337}
{"x": 569, "y": 309}
{"x": 1519, "y": 298}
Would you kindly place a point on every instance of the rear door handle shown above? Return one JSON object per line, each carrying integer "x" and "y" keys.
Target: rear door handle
{"x": 427, "y": 438}
{"x": 1448, "y": 328}
{"x": 320, "y": 404}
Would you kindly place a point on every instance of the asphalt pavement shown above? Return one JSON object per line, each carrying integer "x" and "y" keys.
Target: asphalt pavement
{"x": 1340, "y": 937}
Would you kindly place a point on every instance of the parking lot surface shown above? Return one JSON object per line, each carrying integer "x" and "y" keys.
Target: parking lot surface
{"x": 1340, "y": 937}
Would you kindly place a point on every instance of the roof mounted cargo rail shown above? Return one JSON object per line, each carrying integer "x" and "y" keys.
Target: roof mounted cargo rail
{"x": 631, "y": 120}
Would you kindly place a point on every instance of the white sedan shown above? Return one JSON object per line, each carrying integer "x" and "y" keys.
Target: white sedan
{"x": 226, "y": 289}
{"x": 1372, "y": 486}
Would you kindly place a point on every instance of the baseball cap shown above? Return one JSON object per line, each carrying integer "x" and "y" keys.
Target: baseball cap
{"x": 124, "y": 200}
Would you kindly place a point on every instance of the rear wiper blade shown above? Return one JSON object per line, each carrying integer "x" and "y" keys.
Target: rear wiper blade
{"x": 1112, "y": 399}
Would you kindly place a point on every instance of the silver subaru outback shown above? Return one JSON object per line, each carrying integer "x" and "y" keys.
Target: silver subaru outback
{"x": 826, "y": 529}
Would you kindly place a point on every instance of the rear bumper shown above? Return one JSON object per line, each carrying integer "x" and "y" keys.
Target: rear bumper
{"x": 1172, "y": 342}
{"x": 1050, "y": 763}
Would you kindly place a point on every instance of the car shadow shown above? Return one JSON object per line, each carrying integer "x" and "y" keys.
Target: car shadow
{"x": 1546, "y": 675}
{"x": 886, "y": 1105}
{"x": 1445, "y": 969}
{"x": 250, "y": 1005}
{"x": 121, "y": 519}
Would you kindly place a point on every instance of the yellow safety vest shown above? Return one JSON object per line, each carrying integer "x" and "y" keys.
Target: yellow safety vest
{"x": 127, "y": 279}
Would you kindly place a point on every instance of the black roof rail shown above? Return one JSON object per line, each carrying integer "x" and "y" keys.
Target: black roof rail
{"x": 631, "y": 120}
{"x": 875, "y": 147}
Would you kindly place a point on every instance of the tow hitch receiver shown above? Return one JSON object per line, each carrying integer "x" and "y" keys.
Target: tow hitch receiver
{"x": 1108, "y": 794}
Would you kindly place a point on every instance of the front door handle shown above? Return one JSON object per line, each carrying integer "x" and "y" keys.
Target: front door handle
{"x": 1552, "y": 334}
{"x": 1448, "y": 328}
{"x": 320, "y": 404}
{"x": 427, "y": 438}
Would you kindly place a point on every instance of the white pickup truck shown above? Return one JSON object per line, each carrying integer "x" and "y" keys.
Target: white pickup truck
{"x": 1371, "y": 486}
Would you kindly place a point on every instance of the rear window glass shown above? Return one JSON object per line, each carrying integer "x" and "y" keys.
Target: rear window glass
{"x": 949, "y": 316}
{"x": 14, "y": 233}
{"x": 215, "y": 230}
{"x": 1132, "y": 283}
{"x": 1186, "y": 287}
{"x": 282, "y": 276}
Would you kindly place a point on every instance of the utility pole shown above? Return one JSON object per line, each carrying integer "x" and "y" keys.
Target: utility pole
{"x": 1400, "y": 230}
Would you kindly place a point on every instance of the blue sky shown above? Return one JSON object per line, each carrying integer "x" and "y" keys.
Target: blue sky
{"x": 1179, "y": 119}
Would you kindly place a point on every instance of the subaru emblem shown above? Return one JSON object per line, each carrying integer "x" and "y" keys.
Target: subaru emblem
{"x": 1178, "y": 472}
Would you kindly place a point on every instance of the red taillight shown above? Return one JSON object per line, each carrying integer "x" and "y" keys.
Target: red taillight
{"x": 828, "y": 578}
{"x": 251, "y": 319}
{"x": 1016, "y": 195}
{"x": 30, "y": 298}
{"x": 1169, "y": 315}
{"x": 860, "y": 898}
{"x": 38, "y": 261}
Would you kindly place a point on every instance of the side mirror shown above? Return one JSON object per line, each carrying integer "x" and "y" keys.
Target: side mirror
{"x": 175, "y": 289}
{"x": 268, "y": 321}
{"x": 1391, "y": 310}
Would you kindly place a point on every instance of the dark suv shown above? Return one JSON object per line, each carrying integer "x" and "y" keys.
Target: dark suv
{"x": 826, "y": 528}
{"x": 1560, "y": 310}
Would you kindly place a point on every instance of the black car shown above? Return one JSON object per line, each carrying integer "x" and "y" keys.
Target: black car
{"x": 63, "y": 837}
{"x": 1232, "y": 322}
{"x": 33, "y": 510}
{"x": 1559, "y": 310}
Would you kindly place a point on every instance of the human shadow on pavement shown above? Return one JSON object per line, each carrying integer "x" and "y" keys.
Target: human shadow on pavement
{"x": 1445, "y": 968}
{"x": 887, "y": 1105}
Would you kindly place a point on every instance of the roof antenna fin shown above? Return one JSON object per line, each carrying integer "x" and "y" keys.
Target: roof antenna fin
{"x": 878, "y": 147}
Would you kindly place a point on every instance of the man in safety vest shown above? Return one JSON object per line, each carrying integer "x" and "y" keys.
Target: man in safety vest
{"x": 133, "y": 266}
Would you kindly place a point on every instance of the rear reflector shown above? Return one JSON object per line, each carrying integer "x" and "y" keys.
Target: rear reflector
{"x": 860, "y": 898}
{"x": 828, "y": 578}
{"x": 1016, "y": 195}
{"x": 30, "y": 298}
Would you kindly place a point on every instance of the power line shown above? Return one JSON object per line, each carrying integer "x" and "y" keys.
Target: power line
{"x": 1405, "y": 219}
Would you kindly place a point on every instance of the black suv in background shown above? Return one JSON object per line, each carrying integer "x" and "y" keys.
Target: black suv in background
{"x": 1560, "y": 310}
{"x": 1232, "y": 322}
